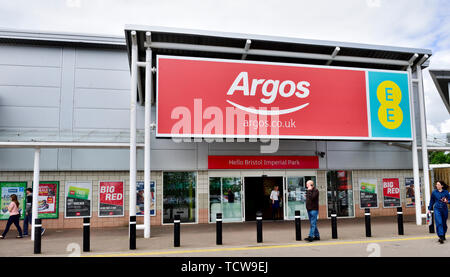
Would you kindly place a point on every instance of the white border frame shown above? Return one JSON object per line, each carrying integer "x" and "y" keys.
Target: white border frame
{"x": 376, "y": 190}
{"x": 393, "y": 207}
{"x": 98, "y": 206}
{"x": 368, "y": 138}
{"x": 353, "y": 193}
{"x": 139, "y": 215}
{"x": 91, "y": 193}
{"x": 196, "y": 196}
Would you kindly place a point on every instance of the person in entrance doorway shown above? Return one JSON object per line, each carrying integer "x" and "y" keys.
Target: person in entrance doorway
{"x": 312, "y": 206}
{"x": 275, "y": 198}
{"x": 28, "y": 213}
{"x": 438, "y": 203}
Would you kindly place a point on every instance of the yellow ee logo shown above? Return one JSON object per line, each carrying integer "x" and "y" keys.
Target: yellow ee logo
{"x": 389, "y": 113}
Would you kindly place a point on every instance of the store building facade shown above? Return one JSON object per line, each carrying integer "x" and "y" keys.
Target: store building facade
{"x": 69, "y": 96}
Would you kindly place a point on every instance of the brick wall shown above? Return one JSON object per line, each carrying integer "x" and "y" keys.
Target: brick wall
{"x": 202, "y": 194}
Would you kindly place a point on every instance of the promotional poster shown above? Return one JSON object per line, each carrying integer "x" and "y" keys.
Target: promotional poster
{"x": 410, "y": 194}
{"x": 6, "y": 190}
{"x": 78, "y": 199}
{"x": 368, "y": 196}
{"x": 140, "y": 198}
{"x": 110, "y": 199}
{"x": 48, "y": 199}
{"x": 391, "y": 193}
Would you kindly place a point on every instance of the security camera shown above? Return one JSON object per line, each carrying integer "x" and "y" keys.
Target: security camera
{"x": 321, "y": 154}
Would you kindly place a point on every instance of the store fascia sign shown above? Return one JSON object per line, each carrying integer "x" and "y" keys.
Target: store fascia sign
{"x": 263, "y": 162}
{"x": 213, "y": 98}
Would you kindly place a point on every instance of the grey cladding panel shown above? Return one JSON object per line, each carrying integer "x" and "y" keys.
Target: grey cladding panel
{"x": 106, "y": 118}
{"x": 173, "y": 159}
{"x": 257, "y": 153}
{"x": 29, "y": 117}
{"x": 102, "y": 79}
{"x": 100, "y": 159}
{"x": 101, "y": 118}
{"x": 23, "y": 159}
{"x": 30, "y": 55}
{"x": 95, "y": 98}
{"x": 369, "y": 160}
{"x": 30, "y": 76}
{"x": 106, "y": 59}
{"x": 29, "y": 96}
{"x": 362, "y": 146}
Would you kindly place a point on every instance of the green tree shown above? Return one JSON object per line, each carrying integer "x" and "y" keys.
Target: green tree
{"x": 437, "y": 157}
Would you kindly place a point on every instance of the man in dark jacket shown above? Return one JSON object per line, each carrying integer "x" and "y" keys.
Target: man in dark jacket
{"x": 312, "y": 206}
{"x": 28, "y": 212}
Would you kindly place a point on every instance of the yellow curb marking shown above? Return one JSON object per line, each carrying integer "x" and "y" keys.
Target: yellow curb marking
{"x": 255, "y": 247}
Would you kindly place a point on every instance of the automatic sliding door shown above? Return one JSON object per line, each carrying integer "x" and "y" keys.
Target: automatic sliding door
{"x": 296, "y": 195}
{"x": 225, "y": 197}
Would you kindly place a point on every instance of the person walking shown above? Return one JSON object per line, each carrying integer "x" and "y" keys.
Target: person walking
{"x": 312, "y": 207}
{"x": 14, "y": 216}
{"x": 438, "y": 203}
{"x": 28, "y": 213}
{"x": 274, "y": 197}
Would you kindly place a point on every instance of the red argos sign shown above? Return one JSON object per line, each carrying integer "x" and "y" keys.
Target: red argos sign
{"x": 227, "y": 98}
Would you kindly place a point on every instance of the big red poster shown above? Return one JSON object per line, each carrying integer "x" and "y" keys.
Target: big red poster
{"x": 110, "y": 199}
{"x": 391, "y": 193}
{"x": 215, "y": 98}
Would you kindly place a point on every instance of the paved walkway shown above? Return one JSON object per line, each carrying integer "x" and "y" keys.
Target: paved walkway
{"x": 239, "y": 240}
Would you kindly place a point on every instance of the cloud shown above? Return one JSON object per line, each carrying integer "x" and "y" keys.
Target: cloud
{"x": 445, "y": 126}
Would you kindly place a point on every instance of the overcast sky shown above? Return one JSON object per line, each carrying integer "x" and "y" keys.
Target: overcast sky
{"x": 409, "y": 23}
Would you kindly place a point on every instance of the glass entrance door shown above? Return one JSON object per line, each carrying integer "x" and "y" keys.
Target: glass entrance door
{"x": 340, "y": 193}
{"x": 225, "y": 197}
{"x": 295, "y": 197}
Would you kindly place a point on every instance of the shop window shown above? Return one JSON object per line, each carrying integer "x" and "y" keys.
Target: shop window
{"x": 179, "y": 191}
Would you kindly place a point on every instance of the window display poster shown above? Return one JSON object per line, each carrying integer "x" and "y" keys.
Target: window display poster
{"x": 110, "y": 199}
{"x": 78, "y": 199}
{"x": 368, "y": 196}
{"x": 391, "y": 193}
{"x": 410, "y": 194}
{"x": 140, "y": 198}
{"x": 6, "y": 190}
{"x": 48, "y": 199}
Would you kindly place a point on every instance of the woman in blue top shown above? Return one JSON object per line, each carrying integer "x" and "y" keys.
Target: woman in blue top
{"x": 438, "y": 203}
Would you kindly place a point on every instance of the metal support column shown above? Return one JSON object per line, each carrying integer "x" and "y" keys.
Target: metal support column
{"x": 415, "y": 159}
{"x": 133, "y": 100}
{"x": 34, "y": 211}
{"x": 147, "y": 147}
{"x": 423, "y": 128}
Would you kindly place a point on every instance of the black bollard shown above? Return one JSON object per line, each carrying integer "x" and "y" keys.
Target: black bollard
{"x": 86, "y": 234}
{"x": 259, "y": 234}
{"x": 334, "y": 234}
{"x": 400, "y": 220}
{"x": 367, "y": 214}
{"x": 431, "y": 227}
{"x": 219, "y": 229}
{"x": 37, "y": 236}
{"x": 298, "y": 229}
{"x": 176, "y": 231}
{"x": 132, "y": 232}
